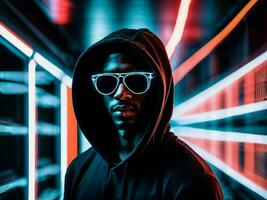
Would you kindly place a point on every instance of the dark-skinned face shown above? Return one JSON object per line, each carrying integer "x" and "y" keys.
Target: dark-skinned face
{"x": 124, "y": 106}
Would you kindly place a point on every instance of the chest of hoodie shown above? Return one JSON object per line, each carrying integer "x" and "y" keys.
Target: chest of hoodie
{"x": 140, "y": 180}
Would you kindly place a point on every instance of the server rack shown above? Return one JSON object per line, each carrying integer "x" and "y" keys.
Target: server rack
{"x": 13, "y": 125}
{"x": 33, "y": 135}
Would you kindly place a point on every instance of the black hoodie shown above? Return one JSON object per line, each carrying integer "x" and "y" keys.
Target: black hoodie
{"x": 161, "y": 166}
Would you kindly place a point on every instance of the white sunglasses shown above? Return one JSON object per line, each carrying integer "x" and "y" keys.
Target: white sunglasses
{"x": 136, "y": 82}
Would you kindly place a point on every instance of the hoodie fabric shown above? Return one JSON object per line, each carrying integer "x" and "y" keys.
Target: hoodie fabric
{"x": 160, "y": 166}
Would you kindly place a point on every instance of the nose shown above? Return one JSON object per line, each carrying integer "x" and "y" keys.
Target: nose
{"x": 122, "y": 93}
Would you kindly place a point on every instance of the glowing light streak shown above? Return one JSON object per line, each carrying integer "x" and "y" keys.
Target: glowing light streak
{"x": 42, "y": 78}
{"x": 20, "y": 182}
{"x": 53, "y": 69}
{"x": 221, "y": 114}
{"x": 179, "y": 27}
{"x": 67, "y": 81}
{"x": 25, "y": 48}
{"x": 225, "y": 136}
{"x": 228, "y": 170}
{"x": 219, "y": 86}
{"x": 49, "y": 66}
{"x": 191, "y": 62}
{"x": 15, "y": 40}
{"x": 60, "y": 11}
{"x": 13, "y": 130}
{"x": 64, "y": 133}
{"x": 32, "y": 131}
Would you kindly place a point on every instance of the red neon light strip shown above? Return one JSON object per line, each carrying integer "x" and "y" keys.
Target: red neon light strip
{"x": 191, "y": 62}
{"x": 230, "y": 157}
{"x": 61, "y": 11}
{"x": 72, "y": 130}
{"x": 254, "y": 91}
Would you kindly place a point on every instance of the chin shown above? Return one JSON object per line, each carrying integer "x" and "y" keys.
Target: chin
{"x": 124, "y": 125}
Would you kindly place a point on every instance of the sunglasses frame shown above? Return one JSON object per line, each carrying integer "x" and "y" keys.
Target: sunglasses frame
{"x": 149, "y": 76}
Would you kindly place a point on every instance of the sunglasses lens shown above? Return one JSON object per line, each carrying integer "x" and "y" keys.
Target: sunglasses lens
{"x": 136, "y": 82}
{"x": 106, "y": 84}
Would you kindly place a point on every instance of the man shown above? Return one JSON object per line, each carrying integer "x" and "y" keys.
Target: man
{"x": 123, "y": 101}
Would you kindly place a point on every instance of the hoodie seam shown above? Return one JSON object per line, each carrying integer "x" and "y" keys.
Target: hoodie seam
{"x": 123, "y": 181}
{"x": 106, "y": 179}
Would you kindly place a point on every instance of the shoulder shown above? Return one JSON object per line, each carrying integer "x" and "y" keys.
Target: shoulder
{"x": 73, "y": 171}
{"x": 189, "y": 174}
{"x": 184, "y": 157}
{"x": 81, "y": 160}
{"x": 202, "y": 187}
{"x": 83, "y": 157}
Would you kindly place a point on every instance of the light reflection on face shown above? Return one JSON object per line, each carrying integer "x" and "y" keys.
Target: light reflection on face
{"x": 124, "y": 106}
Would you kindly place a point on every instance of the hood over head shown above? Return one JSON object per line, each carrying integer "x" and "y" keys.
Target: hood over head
{"x": 90, "y": 110}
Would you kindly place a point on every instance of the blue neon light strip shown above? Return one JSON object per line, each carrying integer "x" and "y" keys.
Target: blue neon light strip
{"x": 216, "y": 135}
{"x": 53, "y": 69}
{"x": 32, "y": 132}
{"x": 17, "y": 42}
{"x": 64, "y": 133}
{"x": 20, "y": 182}
{"x": 221, "y": 114}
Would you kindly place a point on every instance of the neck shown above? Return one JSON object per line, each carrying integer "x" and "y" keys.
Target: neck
{"x": 126, "y": 143}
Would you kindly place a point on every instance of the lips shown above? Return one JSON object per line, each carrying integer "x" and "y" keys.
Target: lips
{"x": 123, "y": 108}
{"x": 123, "y": 111}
